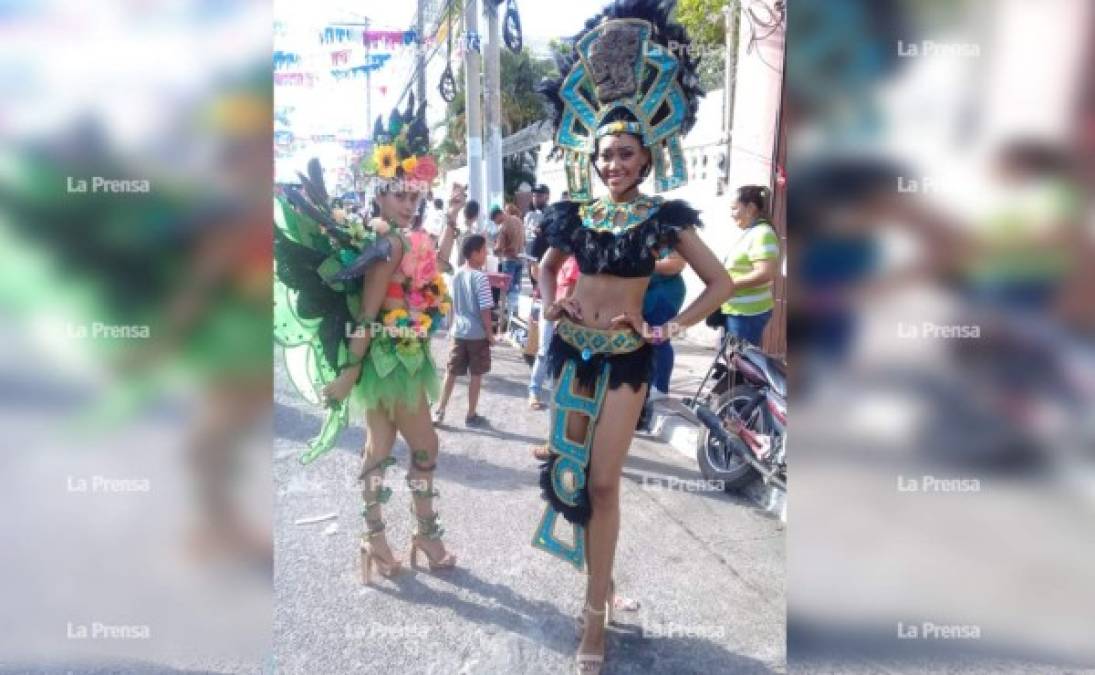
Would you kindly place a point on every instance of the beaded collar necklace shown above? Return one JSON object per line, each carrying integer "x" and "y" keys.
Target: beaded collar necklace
{"x": 602, "y": 214}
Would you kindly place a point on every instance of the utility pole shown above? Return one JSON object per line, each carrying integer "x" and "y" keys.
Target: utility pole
{"x": 368, "y": 85}
{"x": 420, "y": 29}
{"x": 493, "y": 100}
{"x": 472, "y": 63}
{"x": 730, "y": 66}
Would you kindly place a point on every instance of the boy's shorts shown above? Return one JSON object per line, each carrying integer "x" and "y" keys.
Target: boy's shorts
{"x": 471, "y": 355}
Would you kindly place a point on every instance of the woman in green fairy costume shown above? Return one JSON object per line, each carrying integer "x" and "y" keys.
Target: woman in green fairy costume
{"x": 362, "y": 301}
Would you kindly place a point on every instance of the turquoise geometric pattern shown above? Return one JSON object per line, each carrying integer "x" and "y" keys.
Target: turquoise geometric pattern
{"x": 571, "y": 463}
{"x": 598, "y": 341}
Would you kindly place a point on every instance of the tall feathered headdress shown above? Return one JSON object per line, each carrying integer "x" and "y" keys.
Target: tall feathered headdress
{"x": 401, "y": 150}
{"x": 630, "y": 71}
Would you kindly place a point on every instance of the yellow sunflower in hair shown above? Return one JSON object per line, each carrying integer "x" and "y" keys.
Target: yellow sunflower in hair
{"x": 385, "y": 159}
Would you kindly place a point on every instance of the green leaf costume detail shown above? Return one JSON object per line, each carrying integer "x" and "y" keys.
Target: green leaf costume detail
{"x": 315, "y": 314}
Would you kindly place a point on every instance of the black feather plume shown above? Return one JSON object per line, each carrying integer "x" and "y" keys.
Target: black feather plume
{"x": 658, "y": 13}
{"x": 578, "y": 514}
{"x": 326, "y": 223}
{"x": 381, "y": 250}
{"x": 315, "y": 174}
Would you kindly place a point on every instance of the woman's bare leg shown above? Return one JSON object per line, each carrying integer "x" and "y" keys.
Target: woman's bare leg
{"x": 378, "y": 448}
{"x": 613, "y": 433}
{"x": 417, "y": 430}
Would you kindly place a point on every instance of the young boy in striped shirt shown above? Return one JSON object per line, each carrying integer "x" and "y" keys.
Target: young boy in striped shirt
{"x": 472, "y": 336}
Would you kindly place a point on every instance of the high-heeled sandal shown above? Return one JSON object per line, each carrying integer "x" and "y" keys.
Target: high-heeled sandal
{"x": 387, "y": 565}
{"x": 429, "y": 527}
{"x": 613, "y": 603}
{"x": 590, "y": 664}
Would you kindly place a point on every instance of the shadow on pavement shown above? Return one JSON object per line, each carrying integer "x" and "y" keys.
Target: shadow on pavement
{"x": 629, "y": 649}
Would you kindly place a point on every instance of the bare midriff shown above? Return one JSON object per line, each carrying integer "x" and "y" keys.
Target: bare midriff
{"x": 603, "y": 297}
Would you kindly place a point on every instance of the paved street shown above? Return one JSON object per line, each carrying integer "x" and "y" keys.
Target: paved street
{"x": 707, "y": 568}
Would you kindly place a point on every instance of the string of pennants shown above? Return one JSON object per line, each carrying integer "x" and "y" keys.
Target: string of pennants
{"x": 301, "y": 78}
{"x": 376, "y": 61}
{"x": 373, "y": 38}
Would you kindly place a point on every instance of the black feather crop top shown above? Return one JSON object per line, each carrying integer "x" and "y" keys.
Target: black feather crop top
{"x": 606, "y": 242}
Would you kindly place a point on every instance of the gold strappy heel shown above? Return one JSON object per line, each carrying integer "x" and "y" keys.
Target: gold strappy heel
{"x": 387, "y": 567}
{"x": 589, "y": 664}
{"x": 613, "y": 603}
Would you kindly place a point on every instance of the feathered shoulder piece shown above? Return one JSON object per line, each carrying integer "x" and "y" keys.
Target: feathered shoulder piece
{"x": 320, "y": 257}
{"x": 618, "y": 239}
{"x": 630, "y": 70}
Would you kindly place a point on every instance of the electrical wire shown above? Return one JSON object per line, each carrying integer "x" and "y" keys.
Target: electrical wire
{"x": 776, "y": 17}
{"x": 437, "y": 48}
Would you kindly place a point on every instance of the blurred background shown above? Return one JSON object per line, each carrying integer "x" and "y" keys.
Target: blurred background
{"x": 941, "y": 322}
{"x": 134, "y": 335}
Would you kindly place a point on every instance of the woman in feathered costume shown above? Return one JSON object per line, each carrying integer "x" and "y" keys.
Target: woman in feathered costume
{"x": 355, "y": 306}
{"x": 626, "y": 95}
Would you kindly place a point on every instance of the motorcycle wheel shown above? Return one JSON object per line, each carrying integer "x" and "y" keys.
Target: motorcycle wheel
{"x": 718, "y": 463}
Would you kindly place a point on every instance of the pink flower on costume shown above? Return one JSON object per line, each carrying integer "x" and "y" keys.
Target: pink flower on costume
{"x": 420, "y": 262}
{"x": 425, "y": 170}
{"x": 416, "y": 300}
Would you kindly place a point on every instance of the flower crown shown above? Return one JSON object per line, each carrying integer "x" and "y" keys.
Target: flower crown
{"x": 401, "y": 154}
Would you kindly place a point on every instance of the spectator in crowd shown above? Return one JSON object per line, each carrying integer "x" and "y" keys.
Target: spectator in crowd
{"x": 508, "y": 247}
{"x": 663, "y": 301}
{"x": 435, "y": 219}
{"x": 472, "y": 336}
{"x": 534, "y": 235}
{"x": 752, "y": 265}
{"x": 565, "y": 281}
{"x": 471, "y": 223}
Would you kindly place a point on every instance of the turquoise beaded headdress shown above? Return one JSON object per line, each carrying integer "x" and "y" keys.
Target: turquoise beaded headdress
{"x": 630, "y": 72}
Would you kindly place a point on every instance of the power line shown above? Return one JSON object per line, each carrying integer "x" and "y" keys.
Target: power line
{"x": 437, "y": 48}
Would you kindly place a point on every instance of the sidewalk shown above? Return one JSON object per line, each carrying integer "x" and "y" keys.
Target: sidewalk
{"x": 707, "y": 567}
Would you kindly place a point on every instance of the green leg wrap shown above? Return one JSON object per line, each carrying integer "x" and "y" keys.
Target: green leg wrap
{"x": 422, "y": 494}
{"x": 375, "y": 494}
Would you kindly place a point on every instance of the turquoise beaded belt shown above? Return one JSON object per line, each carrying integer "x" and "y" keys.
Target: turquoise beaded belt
{"x": 590, "y": 341}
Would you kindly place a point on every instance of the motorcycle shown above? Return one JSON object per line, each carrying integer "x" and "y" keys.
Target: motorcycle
{"x": 742, "y": 406}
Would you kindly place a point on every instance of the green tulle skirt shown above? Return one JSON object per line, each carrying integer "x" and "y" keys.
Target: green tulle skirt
{"x": 393, "y": 374}
{"x": 399, "y": 386}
